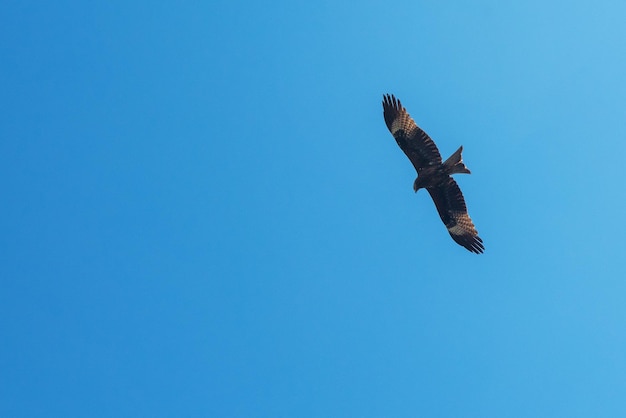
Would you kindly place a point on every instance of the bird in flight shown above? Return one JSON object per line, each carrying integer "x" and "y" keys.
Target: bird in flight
{"x": 434, "y": 175}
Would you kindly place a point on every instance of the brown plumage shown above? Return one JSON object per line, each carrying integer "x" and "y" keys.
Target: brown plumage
{"x": 432, "y": 174}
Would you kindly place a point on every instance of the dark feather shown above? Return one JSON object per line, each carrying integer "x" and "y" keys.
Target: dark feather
{"x": 453, "y": 212}
{"x": 415, "y": 143}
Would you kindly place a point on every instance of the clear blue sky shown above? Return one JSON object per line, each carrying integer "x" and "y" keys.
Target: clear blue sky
{"x": 203, "y": 213}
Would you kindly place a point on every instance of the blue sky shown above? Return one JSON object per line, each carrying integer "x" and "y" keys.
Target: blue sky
{"x": 203, "y": 213}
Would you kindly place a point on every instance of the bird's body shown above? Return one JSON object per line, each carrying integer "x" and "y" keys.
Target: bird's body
{"x": 430, "y": 177}
{"x": 433, "y": 174}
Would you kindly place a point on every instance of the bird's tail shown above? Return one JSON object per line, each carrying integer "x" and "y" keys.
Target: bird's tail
{"x": 454, "y": 164}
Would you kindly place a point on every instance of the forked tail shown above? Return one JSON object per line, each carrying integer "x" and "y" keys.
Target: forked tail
{"x": 454, "y": 164}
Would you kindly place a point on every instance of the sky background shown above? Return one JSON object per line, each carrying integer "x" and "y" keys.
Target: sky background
{"x": 204, "y": 215}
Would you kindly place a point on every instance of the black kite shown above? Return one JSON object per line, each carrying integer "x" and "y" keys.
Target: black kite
{"x": 432, "y": 174}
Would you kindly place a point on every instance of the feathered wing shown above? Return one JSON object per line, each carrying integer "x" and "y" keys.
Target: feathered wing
{"x": 415, "y": 143}
{"x": 453, "y": 212}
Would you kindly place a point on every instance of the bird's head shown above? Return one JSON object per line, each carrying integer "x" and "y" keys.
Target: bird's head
{"x": 416, "y": 185}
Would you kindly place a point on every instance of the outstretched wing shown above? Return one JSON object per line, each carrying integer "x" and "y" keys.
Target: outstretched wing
{"x": 415, "y": 143}
{"x": 453, "y": 212}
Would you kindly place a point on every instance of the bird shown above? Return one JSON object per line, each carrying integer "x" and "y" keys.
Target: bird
{"x": 434, "y": 175}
